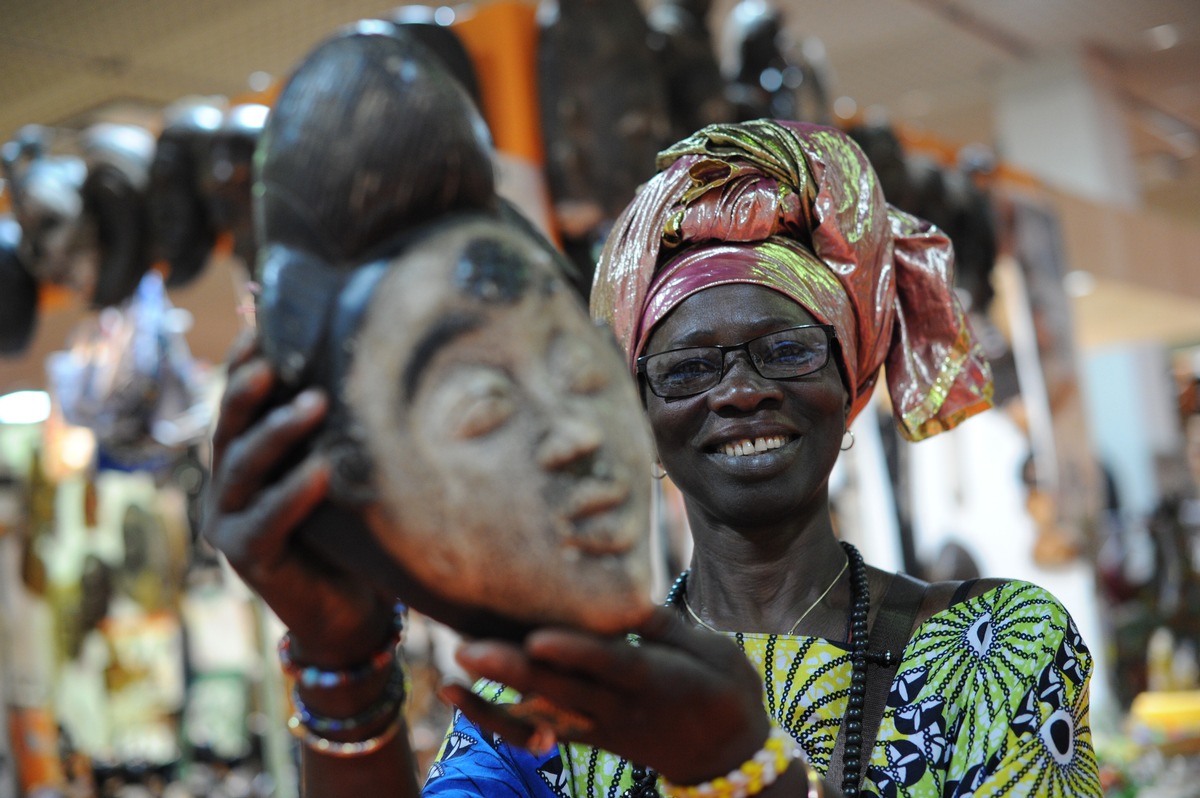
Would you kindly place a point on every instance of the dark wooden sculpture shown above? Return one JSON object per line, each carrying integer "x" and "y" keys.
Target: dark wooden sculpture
{"x": 225, "y": 180}
{"x": 44, "y": 189}
{"x": 115, "y": 208}
{"x": 683, "y": 42}
{"x": 883, "y": 148}
{"x": 773, "y": 76}
{"x": 183, "y": 232}
{"x": 83, "y": 216}
{"x": 947, "y": 196}
{"x": 604, "y": 119}
{"x": 18, "y": 293}
{"x": 479, "y": 429}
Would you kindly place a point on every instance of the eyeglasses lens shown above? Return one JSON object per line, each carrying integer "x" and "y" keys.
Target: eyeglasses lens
{"x": 779, "y": 355}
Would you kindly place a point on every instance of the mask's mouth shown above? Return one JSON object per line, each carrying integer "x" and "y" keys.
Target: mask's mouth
{"x": 593, "y": 513}
{"x": 593, "y": 497}
{"x": 749, "y": 446}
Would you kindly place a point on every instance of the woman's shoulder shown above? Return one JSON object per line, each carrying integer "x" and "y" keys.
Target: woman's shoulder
{"x": 994, "y": 595}
{"x": 997, "y": 616}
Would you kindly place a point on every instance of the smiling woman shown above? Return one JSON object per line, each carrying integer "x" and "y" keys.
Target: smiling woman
{"x": 756, "y": 285}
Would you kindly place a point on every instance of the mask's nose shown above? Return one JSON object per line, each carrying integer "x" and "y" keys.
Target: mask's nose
{"x": 570, "y": 442}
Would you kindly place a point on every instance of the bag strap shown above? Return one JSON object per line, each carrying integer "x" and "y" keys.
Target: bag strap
{"x": 890, "y": 632}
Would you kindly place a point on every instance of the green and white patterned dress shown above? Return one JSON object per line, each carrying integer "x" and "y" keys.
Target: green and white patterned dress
{"x": 990, "y": 699}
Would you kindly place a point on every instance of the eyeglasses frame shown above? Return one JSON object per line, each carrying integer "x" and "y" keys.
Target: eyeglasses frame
{"x": 830, "y": 339}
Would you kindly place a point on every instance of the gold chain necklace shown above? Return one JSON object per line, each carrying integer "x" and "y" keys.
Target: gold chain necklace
{"x": 804, "y": 615}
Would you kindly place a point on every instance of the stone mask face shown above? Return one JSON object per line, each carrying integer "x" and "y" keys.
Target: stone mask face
{"x": 511, "y": 456}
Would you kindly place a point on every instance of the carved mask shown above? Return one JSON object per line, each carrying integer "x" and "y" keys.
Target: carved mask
{"x": 510, "y": 450}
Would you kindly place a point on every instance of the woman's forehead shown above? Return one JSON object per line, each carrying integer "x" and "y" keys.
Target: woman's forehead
{"x": 737, "y": 304}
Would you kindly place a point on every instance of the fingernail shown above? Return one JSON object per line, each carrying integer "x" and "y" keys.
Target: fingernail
{"x": 542, "y": 742}
{"x": 456, "y": 680}
{"x": 257, "y": 373}
{"x": 308, "y": 401}
{"x": 468, "y": 651}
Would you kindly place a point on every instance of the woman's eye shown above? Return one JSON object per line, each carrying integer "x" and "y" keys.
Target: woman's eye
{"x": 691, "y": 367}
{"x": 485, "y": 405}
{"x": 791, "y": 353}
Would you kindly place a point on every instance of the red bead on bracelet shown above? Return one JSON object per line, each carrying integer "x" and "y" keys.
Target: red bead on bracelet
{"x": 312, "y": 676}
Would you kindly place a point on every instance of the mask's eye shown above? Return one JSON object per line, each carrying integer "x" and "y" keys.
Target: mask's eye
{"x": 579, "y": 366}
{"x": 477, "y": 403}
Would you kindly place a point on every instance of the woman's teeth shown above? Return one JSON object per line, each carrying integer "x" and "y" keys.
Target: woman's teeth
{"x": 756, "y": 446}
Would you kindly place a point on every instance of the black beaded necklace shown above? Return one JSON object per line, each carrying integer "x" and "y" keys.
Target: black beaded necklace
{"x": 860, "y": 605}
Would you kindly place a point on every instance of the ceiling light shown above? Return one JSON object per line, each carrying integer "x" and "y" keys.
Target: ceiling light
{"x": 845, "y": 107}
{"x": 1162, "y": 37}
{"x": 259, "y": 81}
{"x": 24, "y": 407}
{"x": 1079, "y": 283}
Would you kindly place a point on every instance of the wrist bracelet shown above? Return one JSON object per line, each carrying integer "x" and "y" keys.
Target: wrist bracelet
{"x": 312, "y": 676}
{"x": 346, "y": 750}
{"x": 389, "y": 702}
{"x": 756, "y": 773}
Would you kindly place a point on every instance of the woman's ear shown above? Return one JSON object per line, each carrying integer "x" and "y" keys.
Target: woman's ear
{"x": 656, "y": 467}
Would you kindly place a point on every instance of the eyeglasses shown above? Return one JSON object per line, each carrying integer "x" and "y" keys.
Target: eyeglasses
{"x": 780, "y": 355}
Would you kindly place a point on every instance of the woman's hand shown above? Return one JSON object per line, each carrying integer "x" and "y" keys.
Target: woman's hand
{"x": 263, "y": 488}
{"x": 684, "y": 701}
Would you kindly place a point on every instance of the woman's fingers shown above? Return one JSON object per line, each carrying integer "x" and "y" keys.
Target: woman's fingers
{"x": 244, "y": 347}
{"x": 251, "y": 459}
{"x": 257, "y": 538}
{"x": 615, "y": 661}
{"x": 492, "y": 717}
{"x": 246, "y": 391}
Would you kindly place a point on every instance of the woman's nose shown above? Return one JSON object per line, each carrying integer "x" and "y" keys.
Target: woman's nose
{"x": 742, "y": 387}
{"x": 568, "y": 441}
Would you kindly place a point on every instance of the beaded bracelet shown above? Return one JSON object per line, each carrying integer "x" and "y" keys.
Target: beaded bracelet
{"x": 756, "y": 773}
{"x": 312, "y": 676}
{"x": 389, "y": 702}
{"x": 345, "y": 750}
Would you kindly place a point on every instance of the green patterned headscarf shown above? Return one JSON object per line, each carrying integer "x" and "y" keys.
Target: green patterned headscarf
{"x": 798, "y": 208}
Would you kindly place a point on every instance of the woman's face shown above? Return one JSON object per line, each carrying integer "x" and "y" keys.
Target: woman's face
{"x": 794, "y": 426}
{"x": 516, "y": 451}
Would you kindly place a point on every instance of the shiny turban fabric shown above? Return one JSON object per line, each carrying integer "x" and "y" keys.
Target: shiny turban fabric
{"x": 798, "y": 208}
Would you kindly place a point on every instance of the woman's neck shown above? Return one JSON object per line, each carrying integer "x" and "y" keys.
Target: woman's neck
{"x": 763, "y": 579}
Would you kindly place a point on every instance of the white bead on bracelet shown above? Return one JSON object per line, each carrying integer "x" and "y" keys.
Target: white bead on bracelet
{"x": 340, "y": 749}
{"x": 755, "y": 775}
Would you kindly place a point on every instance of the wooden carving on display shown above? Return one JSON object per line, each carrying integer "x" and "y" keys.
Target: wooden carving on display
{"x": 83, "y": 215}
{"x": 183, "y": 232}
{"x": 200, "y": 185}
{"x": 490, "y": 462}
{"x": 603, "y": 104}
{"x": 18, "y": 292}
{"x": 774, "y": 73}
{"x": 683, "y": 42}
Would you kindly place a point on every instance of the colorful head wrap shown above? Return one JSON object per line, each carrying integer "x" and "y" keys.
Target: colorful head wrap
{"x": 798, "y": 208}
